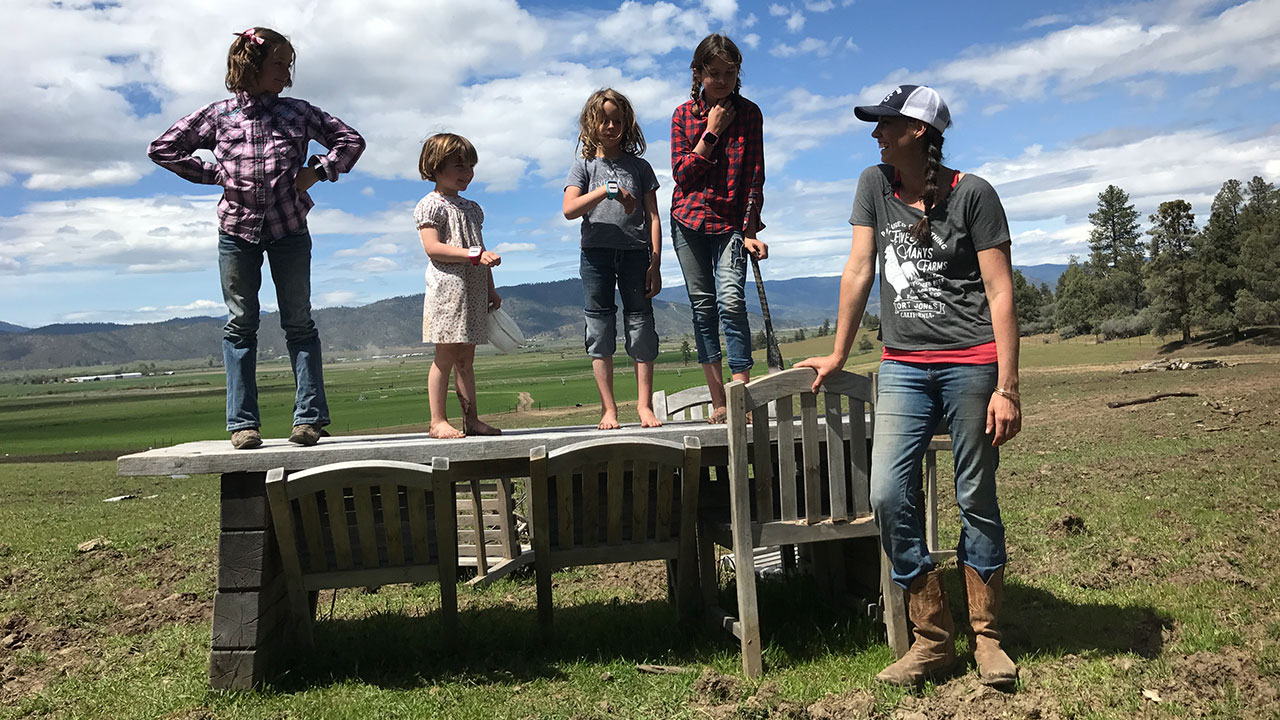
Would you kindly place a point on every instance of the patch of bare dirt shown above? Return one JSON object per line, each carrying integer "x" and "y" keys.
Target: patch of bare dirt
{"x": 852, "y": 705}
{"x": 648, "y": 580}
{"x": 1123, "y": 568}
{"x": 1067, "y": 525}
{"x": 1202, "y": 680}
{"x": 524, "y": 402}
{"x": 1224, "y": 567}
{"x": 66, "y": 650}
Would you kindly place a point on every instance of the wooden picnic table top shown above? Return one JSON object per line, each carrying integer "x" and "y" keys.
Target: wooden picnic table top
{"x": 497, "y": 454}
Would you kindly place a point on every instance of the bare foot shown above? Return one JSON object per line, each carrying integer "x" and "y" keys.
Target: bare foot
{"x": 719, "y": 416}
{"x": 608, "y": 421}
{"x": 476, "y": 427}
{"x": 444, "y": 431}
{"x": 648, "y": 419}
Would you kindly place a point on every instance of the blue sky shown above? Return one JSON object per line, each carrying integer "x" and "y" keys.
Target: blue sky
{"x": 1052, "y": 101}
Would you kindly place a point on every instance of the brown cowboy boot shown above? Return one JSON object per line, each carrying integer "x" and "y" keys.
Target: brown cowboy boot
{"x": 994, "y": 666}
{"x": 933, "y": 652}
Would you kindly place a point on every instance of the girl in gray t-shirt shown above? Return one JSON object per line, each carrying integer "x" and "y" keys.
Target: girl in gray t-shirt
{"x": 941, "y": 241}
{"x": 614, "y": 191}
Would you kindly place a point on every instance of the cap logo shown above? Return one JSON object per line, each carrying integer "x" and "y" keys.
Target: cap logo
{"x": 896, "y": 91}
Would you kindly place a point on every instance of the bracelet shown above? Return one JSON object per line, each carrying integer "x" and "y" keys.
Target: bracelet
{"x": 1012, "y": 395}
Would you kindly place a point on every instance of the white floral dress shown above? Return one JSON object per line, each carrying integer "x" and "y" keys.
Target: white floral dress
{"x": 455, "y": 308}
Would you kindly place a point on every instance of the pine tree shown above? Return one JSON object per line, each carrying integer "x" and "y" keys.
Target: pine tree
{"x": 1116, "y": 255}
{"x": 1076, "y": 300}
{"x": 685, "y": 351}
{"x": 1171, "y": 274}
{"x": 1026, "y": 300}
{"x": 1216, "y": 250}
{"x": 825, "y": 330}
{"x": 1258, "y": 302}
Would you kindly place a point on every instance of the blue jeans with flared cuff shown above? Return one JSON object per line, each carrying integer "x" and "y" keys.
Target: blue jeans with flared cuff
{"x": 603, "y": 269}
{"x": 240, "y": 268}
{"x": 715, "y": 276}
{"x": 912, "y": 401}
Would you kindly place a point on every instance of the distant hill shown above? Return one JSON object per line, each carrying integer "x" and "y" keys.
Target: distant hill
{"x": 1046, "y": 274}
{"x": 11, "y": 328}
{"x": 548, "y": 311}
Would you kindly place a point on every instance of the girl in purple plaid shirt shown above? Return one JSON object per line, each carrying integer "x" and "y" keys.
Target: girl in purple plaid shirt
{"x": 259, "y": 142}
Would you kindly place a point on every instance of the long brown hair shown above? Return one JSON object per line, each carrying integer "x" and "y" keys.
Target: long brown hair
{"x": 632, "y": 141}
{"x": 247, "y": 57}
{"x": 713, "y": 46}
{"x": 931, "y": 146}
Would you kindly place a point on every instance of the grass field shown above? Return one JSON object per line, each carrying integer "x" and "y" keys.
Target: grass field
{"x": 1142, "y": 576}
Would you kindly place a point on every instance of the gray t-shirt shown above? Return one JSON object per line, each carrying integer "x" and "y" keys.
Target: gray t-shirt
{"x": 607, "y": 225}
{"x": 931, "y": 296}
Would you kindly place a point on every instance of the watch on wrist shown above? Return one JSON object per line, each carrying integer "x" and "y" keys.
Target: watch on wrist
{"x": 611, "y": 189}
{"x": 314, "y": 163}
{"x": 710, "y": 138}
{"x": 473, "y": 254}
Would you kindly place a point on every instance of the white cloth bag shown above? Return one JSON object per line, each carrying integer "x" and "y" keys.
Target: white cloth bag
{"x": 504, "y": 334}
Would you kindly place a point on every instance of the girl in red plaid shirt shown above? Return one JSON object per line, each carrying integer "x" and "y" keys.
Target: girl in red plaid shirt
{"x": 717, "y": 161}
{"x": 259, "y": 142}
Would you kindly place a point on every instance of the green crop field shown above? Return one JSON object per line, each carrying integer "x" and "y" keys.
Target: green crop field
{"x": 1142, "y": 577}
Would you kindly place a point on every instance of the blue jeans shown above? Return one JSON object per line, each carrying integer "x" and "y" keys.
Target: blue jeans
{"x": 602, "y": 269}
{"x": 240, "y": 267}
{"x": 715, "y": 276}
{"x": 912, "y": 400}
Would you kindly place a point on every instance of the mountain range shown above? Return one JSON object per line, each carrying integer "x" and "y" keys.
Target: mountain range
{"x": 546, "y": 312}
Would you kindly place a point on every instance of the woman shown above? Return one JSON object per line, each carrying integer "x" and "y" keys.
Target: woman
{"x": 950, "y": 333}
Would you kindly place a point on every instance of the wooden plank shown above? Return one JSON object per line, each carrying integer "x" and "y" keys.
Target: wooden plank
{"x": 244, "y": 500}
{"x": 659, "y": 403}
{"x": 241, "y": 618}
{"x": 860, "y": 465}
{"x": 783, "y": 533}
{"x": 835, "y": 458}
{"x": 392, "y": 529}
{"x": 740, "y": 513}
{"x": 606, "y": 554}
{"x": 666, "y": 499}
{"x": 238, "y": 669}
{"x": 615, "y": 490}
{"x": 895, "y": 609}
{"x": 590, "y": 506}
{"x": 482, "y": 560}
{"x": 564, "y": 508}
{"x": 339, "y": 526}
{"x": 310, "y": 512}
{"x": 787, "y": 458}
{"x": 762, "y": 463}
{"x": 419, "y": 526}
{"x": 640, "y": 477}
{"x": 812, "y": 462}
{"x": 540, "y": 509}
{"x": 366, "y": 527}
{"x": 506, "y": 519}
{"x": 500, "y": 570}
{"x": 445, "y": 502}
{"x": 246, "y": 556}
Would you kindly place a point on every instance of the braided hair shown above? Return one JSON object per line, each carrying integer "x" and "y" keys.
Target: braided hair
{"x": 714, "y": 45}
{"x": 932, "y": 149}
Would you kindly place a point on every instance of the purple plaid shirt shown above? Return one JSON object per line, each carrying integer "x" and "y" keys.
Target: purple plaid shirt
{"x": 259, "y": 144}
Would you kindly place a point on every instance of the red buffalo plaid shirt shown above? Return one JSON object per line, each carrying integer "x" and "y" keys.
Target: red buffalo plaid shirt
{"x": 719, "y": 194}
{"x": 259, "y": 144}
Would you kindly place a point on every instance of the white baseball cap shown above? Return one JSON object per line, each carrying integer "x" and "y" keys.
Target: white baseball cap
{"x": 920, "y": 102}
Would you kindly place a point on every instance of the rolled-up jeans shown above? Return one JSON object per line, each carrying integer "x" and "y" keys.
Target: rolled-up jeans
{"x": 240, "y": 268}
{"x": 603, "y": 269}
{"x": 911, "y": 402}
{"x": 715, "y": 276}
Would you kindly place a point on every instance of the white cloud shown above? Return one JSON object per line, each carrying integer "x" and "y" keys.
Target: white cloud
{"x": 751, "y": 40}
{"x": 381, "y": 245}
{"x": 750, "y": 21}
{"x": 376, "y": 264}
{"x": 721, "y": 9}
{"x": 819, "y": 6}
{"x": 510, "y": 247}
{"x": 777, "y": 10}
{"x": 813, "y": 46}
{"x": 337, "y": 297}
{"x": 796, "y": 22}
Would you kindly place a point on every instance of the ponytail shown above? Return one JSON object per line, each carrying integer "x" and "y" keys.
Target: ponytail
{"x": 932, "y": 164}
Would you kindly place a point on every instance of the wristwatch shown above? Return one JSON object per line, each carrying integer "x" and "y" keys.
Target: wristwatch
{"x": 313, "y": 162}
{"x": 710, "y": 138}
{"x": 611, "y": 189}
{"x": 473, "y": 254}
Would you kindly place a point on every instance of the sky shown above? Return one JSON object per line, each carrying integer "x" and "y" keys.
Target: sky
{"x": 1051, "y": 102}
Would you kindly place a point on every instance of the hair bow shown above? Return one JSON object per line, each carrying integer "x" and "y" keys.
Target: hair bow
{"x": 250, "y": 35}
